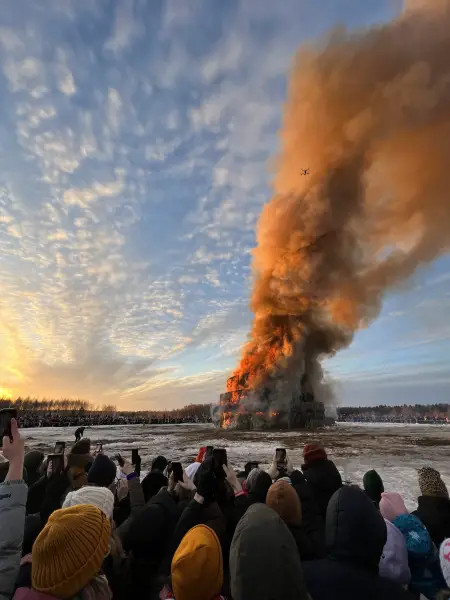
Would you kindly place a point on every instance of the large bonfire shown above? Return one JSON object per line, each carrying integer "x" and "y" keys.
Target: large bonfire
{"x": 368, "y": 115}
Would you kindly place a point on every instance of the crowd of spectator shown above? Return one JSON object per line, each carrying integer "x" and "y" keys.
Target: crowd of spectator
{"x": 82, "y": 525}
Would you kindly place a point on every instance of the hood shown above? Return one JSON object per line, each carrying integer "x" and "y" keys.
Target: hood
{"x": 264, "y": 560}
{"x": 102, "y": 471}
{"x": 260, "y": 487}
{"x": 355, "y": 531}
{"x": 394, "y": 560}
{"x": 33, "y": 460}
{"x": 151, "y": 529}
{"x": 152, "y": 483}
{"x": 159, "y": 463}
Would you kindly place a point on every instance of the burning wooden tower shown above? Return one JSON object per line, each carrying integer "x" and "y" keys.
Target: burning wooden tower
{"x": 244, "y": 408}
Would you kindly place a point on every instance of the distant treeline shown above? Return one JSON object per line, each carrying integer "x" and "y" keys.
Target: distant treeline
{"x": 405, "y": 411}
{"x": 63, "y": 405}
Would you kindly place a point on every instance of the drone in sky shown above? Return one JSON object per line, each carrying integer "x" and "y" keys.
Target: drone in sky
{"x": 305, "y": 172}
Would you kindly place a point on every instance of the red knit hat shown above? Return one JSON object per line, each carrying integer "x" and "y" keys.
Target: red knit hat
{"x": 201, "y": 454}
{"x": 314, "y": 452}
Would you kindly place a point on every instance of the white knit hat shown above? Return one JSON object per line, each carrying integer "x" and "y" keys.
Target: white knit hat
{"x": 444, "y": 555}
{"x": 100, "y": 497}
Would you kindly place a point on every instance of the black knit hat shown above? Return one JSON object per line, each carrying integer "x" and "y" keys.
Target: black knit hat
{"x": 81, "y": 447}
{"x": 102, "y": 472}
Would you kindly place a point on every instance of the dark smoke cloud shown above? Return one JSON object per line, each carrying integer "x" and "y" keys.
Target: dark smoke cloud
{"x": 369, "y": 114}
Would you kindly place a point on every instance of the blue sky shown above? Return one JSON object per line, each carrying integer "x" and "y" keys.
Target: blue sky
{"x": 135, "y": 142}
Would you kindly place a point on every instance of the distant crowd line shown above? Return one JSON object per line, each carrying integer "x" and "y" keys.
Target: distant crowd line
{"x": 29, "y": 419}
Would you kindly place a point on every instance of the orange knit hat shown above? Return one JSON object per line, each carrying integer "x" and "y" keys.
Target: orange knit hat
{"x": 197, "y": 566}
{"x": 70, "y": 550}
{"x": 284, "y": 500}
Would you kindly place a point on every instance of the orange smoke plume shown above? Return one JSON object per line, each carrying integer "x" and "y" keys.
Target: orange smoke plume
{"x": 368, "y": 114}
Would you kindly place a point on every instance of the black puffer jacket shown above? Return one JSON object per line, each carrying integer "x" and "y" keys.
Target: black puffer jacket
{"x": 323, "y": 479}
{"x": 355, "y": 537}
{"x": 147, "y": 541}
{"x": 264, "y": 562}
{"x": 434, "y": 512}
{"x": 312, "y": 522}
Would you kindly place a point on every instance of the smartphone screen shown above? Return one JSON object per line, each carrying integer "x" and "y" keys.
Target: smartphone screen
{"x": 6, "y": 414}
{"x": 177, "y": 470}
{"x": 59, "y": 447}
{"x": 57, "y": 461}
{"x": 209, "y": 451}
{"x": 134, "y": 456}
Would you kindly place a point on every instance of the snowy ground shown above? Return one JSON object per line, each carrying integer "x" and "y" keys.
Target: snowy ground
{"x": 395, "y": 451}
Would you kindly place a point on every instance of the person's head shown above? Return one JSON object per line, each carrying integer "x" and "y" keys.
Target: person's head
{"x": 262, "y": 533}
{"x": 431, "y": 484}
{"x": 159, "y": 464}
{"x": 197, "y": 565}
{"x": 260, "y": 487}
{"x": 392, "y": 506}
{"x": 100, "y": 497}
{"x": 355, "y": 531}
{"x": 81, "y": 447}
{"x": 313, "y": 453}
{"x": 251, "y": 478}
{"x": 69, "y": 551}
{"x": 102, "y": 471}
{"x": 33, "y": 460}
{"x": 284, "y": 500}
{"x": 373, "y": 486}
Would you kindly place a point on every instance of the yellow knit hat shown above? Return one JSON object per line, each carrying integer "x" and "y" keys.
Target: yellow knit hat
{"x": 70, "y": 550}
{"x": 197, "y": 567}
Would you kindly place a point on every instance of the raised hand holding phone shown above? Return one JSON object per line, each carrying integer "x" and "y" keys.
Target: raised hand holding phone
{"x": 14, "y": 452}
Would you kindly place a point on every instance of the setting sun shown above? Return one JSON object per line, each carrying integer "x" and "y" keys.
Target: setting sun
{"x": 5, "y": 393}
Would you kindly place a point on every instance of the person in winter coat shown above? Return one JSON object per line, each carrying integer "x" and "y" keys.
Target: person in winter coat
{"x": 67, "y": 556}
{"x": 264, "y": 562}
{"x": 155, "y": 480}
{"x": 321, "y": 474}
{"x": 355, "y": 537}
{"x": 33, "y": 462}
{"x": 313, "y": 523}
{"x": 13, "y": 497}
{"x": 373, "y": 486}
{"x": 197, "y": 567}
{"x": 423, "y": 557}
{"x": 147, "y": 542}
{"x": 433, "y": 505}
{"x": 283, "y": 499}
{"x": 394, "y": 560}
{"x": 114, "y": 563}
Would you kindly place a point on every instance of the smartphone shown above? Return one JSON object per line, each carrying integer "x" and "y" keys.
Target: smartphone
{"x": 6, "y": 414}
{"x": 177, "y": 470}
{"x": 280, "y": 455}
{"x": 134, "y": 456}
{"x": 209, "y": 451}
{"x": 59, "y": 448}
{"x": 119, "y": 459}
{"x": 220, "y": 457}
{"x": 57, "y": 461}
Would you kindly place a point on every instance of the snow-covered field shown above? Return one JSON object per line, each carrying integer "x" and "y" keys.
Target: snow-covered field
{"x": 395, "y": 451}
